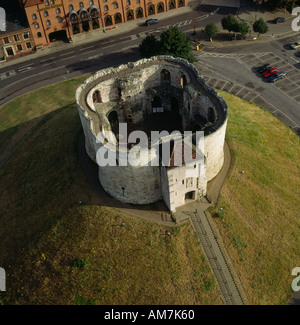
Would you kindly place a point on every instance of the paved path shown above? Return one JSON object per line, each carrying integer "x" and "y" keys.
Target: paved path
{"x": 216, "y": 258}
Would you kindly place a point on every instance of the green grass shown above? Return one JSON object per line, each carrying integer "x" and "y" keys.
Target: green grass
{"x": 260, "y": 218}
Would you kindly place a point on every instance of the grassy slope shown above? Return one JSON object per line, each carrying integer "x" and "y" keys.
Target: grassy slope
{"x": 260, "y": 218}
{"x": 43, "y": 227}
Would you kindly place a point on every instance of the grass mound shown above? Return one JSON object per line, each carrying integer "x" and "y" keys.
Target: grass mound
{"x": 58, "y": 247}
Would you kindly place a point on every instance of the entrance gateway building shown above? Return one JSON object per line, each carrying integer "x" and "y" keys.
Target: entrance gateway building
{"x": 156, "y": 94}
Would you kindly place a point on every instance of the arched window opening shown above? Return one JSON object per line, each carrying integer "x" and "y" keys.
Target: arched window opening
{"x": 118, "y": 18}
{"x": 130, "y": 15}
{"x": 113, "y": 119}
{"x": 172, "y": 4}
{"x": 156, "y": 102}
{"x": 73, "y": 17}
{"x": 84, "y": 15}
{"x": 139, "y": 12}
{"x": 211, "y": 115}
{"x": 181, "y": 3}
{"x": 97, "y": 97}
{"x": 160, "y": 7}
{"x": 165, "y": 75}
{"x": 151, "y": 10}
{"x": 183, "y": 80}
{"x": 108, "y": 20}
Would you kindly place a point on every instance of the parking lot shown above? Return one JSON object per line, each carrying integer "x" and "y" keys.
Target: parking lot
{"x": 290, "y": 84}
{"x": 254, "y": 88}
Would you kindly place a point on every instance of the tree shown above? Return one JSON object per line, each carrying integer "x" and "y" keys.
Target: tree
{"x": 260, "y": 26}
{"x": 211, "y": 30}
{"x": 230, "y": 23}
{"x": 175, "y": 43}
{"x": 243, "y": 28}
{"x": 149, "y": 47}
{"x": 172, "y": 42}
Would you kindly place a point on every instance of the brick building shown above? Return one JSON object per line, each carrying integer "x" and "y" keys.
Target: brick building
{"x": 61, "y": 19}
{"x": 16, "y": 40}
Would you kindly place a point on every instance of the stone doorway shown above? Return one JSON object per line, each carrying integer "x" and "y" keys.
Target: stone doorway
{"x": 189, "y": 196}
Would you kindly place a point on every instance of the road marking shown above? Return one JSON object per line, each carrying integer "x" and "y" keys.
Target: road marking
{"x": 70, "y": 57}
{"x": 92, "y": 51}
{"x": 128, "y": 47}
{"x": 64, "y": 54}
{"x": 107, "y": 42}
{"x": 7, "y": 74}
{"x": 25, "y": 66}
{"x": 93, "y": 57}
{"x": 25, "y": 69}
{"x": 48, "y": 59}
{"x": 86, "y": 48}
{"x": 202, "y": 17}
{"x": 294, "y": 59}
{"x": 106, "y": 47}
{"x": 182, "y": 23}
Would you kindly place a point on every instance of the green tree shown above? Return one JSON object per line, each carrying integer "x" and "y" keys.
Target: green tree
{"x": 211, "y": 30}
{"x": 175, "y": 43}
{"x": 243, "y": 28}
{"x": 149, "y": 46}
{"x": 260, "y": 26}
{"x": 230, "y": 23}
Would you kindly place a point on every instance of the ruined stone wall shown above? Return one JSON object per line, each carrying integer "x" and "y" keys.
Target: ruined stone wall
{"x": 129, "y": 90}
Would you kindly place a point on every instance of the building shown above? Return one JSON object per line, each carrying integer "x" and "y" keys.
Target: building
{"x": 156, "y": 94}
{"x": 50, "y": 20}
{"x": 16, "y": 40}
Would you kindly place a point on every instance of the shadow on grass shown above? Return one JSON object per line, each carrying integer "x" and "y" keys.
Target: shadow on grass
{"x": 46, "y": 172}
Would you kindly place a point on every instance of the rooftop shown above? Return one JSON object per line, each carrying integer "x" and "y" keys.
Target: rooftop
{"x": 29, "y": 3}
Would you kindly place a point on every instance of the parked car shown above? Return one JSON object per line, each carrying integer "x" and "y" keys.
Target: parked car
{"x": 276, "y": 76}
{"x": 279, "y": 20}
{"x": 263, "y": 68}
{"x": 270, "y": 71}
{"x": 151, "y": 22}
{"x": 295, "y": 45}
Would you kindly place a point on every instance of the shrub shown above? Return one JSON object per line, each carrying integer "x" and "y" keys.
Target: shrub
{"x": 79, "y": 262}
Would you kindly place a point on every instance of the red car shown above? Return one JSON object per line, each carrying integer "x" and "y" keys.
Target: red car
{"x": 269, "y": 72}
